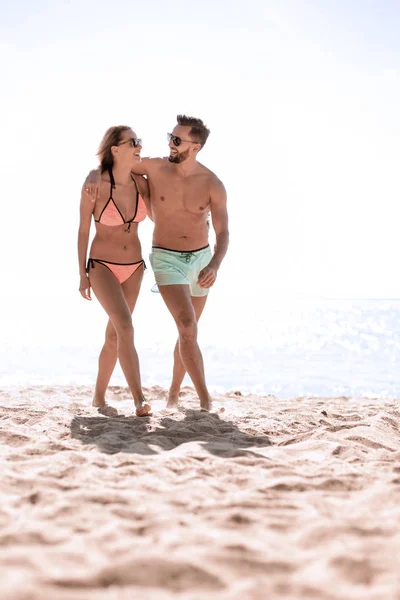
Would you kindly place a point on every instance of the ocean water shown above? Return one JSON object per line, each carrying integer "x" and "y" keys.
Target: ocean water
{"x": 274, "y": 346}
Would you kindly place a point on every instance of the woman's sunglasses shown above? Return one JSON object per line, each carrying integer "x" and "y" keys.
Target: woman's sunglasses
{"x": 177, "y": 141}
{"x": 134, "y": 142}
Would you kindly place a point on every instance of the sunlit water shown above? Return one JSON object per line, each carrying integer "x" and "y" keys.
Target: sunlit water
{"x": 324, "y": 347}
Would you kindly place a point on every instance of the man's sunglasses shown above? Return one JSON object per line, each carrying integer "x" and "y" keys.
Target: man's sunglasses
{"x": 134, "y": 142}
{"x": 177, "y": 141}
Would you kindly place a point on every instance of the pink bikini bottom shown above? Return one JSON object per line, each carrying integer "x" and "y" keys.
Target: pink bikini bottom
{"x": 121, "y": 271}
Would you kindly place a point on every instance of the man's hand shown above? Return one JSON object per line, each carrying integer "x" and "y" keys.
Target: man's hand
{"x": 91, "y": 187}
{"x": 207, "y": 276}
{"x": 84, "y": 287}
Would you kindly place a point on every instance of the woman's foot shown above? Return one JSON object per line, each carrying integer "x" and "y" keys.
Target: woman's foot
{"x": 104, "y": 409}
{"x": 206, "y": 404}
{"x": 143, "y": 409}
{"x": 173, "y": 398}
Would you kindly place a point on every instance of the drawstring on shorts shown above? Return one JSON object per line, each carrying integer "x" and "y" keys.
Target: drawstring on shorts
{"x": 187, "y": 255}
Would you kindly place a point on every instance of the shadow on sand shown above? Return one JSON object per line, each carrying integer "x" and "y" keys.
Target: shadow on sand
{"x": 152, "y": 436}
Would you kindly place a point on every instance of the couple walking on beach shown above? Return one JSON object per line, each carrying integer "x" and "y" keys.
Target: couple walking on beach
{"x": 177, "y": 193}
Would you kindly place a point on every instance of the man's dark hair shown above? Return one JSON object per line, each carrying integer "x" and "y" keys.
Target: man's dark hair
{"x": 199, "y": 132}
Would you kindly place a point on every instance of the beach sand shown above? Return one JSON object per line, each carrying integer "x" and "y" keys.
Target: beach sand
{"x": 271, "y": 498}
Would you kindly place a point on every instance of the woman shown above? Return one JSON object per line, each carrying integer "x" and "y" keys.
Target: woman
{"x": 115, "y": 266}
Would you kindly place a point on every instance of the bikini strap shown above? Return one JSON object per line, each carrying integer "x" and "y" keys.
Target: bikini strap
{"x": 112, "y": 181}
{"x": 90, "y": 265}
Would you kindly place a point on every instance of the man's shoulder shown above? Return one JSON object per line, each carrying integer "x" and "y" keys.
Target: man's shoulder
{"x": 210, "y": 175}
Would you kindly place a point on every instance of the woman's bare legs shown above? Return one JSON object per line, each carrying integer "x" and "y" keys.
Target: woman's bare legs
{"x": 109, "y": 353}
{"x": 107, "y": 360}
{"x": 179, "y": 370}
{"x": 111, "y": 296}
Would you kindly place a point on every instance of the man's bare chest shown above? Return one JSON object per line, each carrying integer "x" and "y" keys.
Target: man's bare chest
{"x": 170, "y": 193}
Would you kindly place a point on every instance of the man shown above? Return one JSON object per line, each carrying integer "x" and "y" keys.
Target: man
{"x": 182, "y": 194}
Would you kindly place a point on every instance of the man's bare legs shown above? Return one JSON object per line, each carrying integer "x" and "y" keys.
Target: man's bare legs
{"x": 109, "y": 353}
{"x": 111, "y": 296}
{"x": 179, "y": 370}
{"x": 179, "y": 303}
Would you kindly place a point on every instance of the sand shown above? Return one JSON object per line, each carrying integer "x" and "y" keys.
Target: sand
{"x": 271, "y": 498}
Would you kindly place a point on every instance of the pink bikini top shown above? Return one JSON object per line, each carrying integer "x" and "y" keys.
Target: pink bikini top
{"x": 112, "y": 216}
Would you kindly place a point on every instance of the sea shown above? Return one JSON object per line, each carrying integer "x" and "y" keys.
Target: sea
{"x": 267, "y": 345}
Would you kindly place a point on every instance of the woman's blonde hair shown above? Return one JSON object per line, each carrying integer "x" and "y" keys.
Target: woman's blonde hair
{"x": 112, "y": 137}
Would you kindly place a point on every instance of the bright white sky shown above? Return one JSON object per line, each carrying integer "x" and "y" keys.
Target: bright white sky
{"x": 302, "y": 98}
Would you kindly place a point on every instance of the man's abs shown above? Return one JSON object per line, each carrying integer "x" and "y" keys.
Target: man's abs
{"x": 180, "y": 233}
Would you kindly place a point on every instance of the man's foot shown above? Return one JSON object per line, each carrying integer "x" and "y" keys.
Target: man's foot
{"x": 104, "y": 409}
{"x": 143, "y": 410}
{"x": 173, "y": 399}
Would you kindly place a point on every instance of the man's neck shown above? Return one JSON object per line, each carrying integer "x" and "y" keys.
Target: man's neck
{"x": 186, "y": 168}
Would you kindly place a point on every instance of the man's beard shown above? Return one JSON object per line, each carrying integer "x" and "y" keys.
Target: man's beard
{"x": 178, "y": 158}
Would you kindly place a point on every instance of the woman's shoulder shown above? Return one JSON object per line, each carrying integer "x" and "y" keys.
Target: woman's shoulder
{"x": 96, "y": 176}
{"x": 104, "y": 177}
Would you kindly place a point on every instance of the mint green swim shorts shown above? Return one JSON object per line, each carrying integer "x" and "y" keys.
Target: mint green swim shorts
{"x": 173, "y": 267}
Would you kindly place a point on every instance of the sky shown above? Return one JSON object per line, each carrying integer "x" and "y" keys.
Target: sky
{"x": 302, "y": 101}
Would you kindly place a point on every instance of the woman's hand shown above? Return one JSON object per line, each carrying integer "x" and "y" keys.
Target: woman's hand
{"x": 84, "y": 287}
